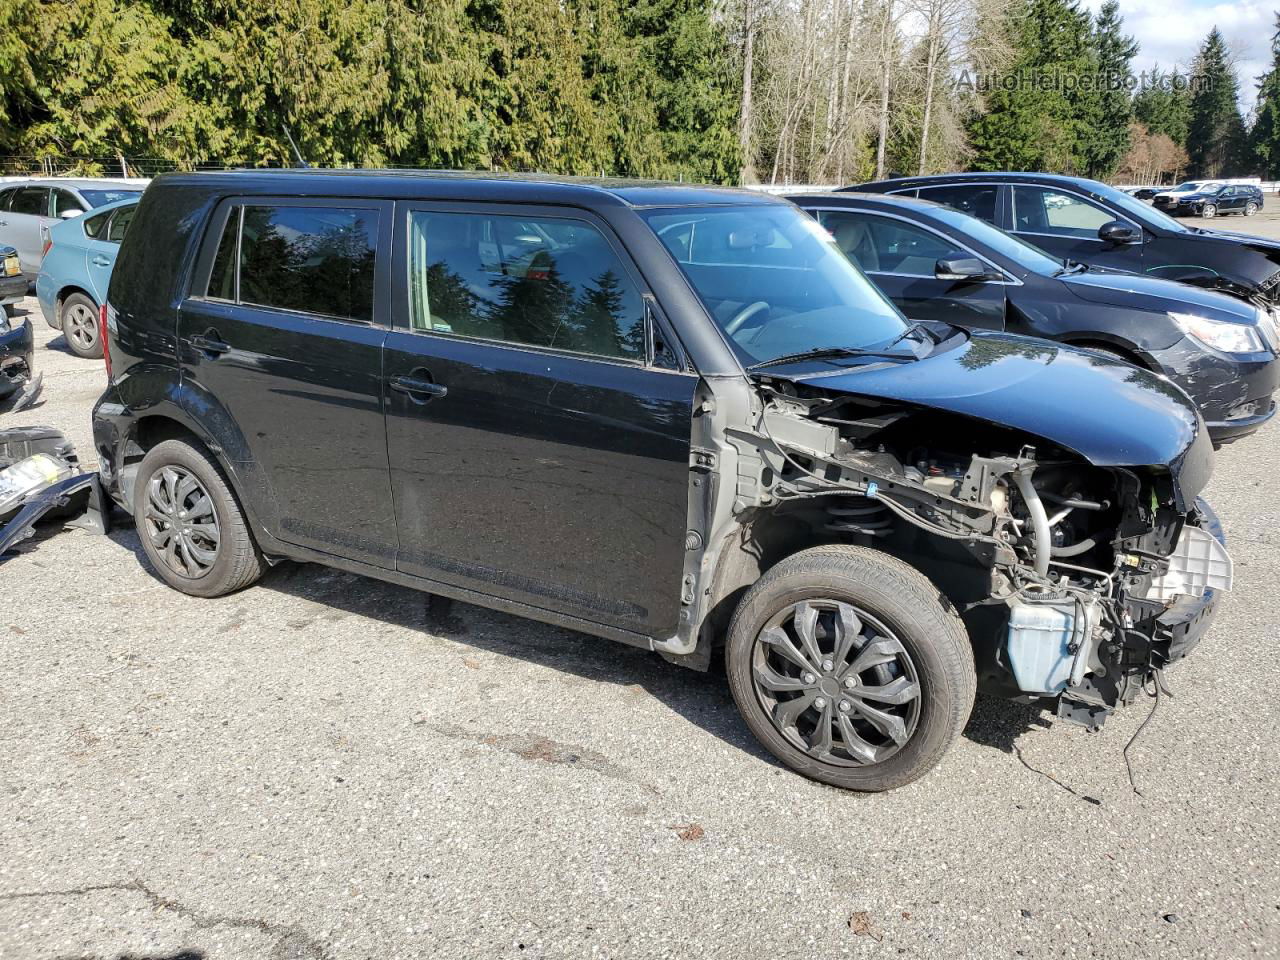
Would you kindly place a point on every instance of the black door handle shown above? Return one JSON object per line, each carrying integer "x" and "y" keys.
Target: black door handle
{"x": 413, "y": 387}
{"x": 209, "y": 344}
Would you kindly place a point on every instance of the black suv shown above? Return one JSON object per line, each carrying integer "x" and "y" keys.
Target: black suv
{"x": 1090, "y": 222}
{"x": 1218, "y": 200}
{"x": 671, "y": 416}
{"x": 937, "y": 263}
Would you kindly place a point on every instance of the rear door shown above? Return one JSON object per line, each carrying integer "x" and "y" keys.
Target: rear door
{"x": 101, "y": 249}
{"x": 281, "y": 343}
{"x": 538, "y": 452}
{"x": 900, "y": 258}
{"x": 1065, "y": 225}
{"x": 25, "y": 224}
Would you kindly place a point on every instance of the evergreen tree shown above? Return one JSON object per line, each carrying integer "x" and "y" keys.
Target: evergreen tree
{"x": 1215, "y": 135}
{"x": 1162, "y": 104}
{"x": 1108, "y": 138}
{"x": 1035, "y": 118}
{"x": 1264, "y": 138}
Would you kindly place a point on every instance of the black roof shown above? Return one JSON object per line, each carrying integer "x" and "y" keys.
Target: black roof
{"x": 1001, "y": 176}
{"x": 467, "y": 185}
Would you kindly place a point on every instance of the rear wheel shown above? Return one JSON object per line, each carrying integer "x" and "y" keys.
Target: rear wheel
{"x": 850, "y": 667}
{"x": 189, "y": 521}
{"x": 79, "y": 319}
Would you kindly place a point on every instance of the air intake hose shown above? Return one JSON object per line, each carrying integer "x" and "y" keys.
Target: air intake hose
{"x": 1039, "y": 519}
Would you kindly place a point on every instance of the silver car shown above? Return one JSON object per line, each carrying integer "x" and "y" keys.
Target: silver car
{"x": 28, "y": 208}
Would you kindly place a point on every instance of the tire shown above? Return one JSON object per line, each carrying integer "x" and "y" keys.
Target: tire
{"x": 218, "y": 559}
{"x": 895, "y": 607}
{"x": 78, "y": 318}
{"x": 1209, "y": 210}
{"x": 1250, "y": 209}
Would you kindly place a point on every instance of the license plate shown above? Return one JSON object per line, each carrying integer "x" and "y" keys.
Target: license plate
{"x": 11, "y": 267}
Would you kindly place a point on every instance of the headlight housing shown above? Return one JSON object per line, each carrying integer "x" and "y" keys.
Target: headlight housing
{"x": 1267, "y": 327}
{"x": 1218, "y": 334}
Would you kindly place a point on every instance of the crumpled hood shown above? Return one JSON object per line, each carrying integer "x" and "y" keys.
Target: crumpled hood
{"x": 1107, "y": 411}
{"x": 1152, "y": 293}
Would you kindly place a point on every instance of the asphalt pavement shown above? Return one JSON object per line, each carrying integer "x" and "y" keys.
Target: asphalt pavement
{"x": 325, "y": 766}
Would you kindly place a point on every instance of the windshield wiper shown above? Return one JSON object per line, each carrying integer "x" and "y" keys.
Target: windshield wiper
{"x": 831, "y": 353}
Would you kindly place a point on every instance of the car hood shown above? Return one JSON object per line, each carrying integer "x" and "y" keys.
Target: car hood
{"x": 1101, "y": 408}
{"x": 1152, "y": 293}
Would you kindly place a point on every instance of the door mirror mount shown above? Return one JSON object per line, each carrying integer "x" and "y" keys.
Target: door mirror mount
{"x": 961, "y": 270}
{"x": 1118, "y": 233}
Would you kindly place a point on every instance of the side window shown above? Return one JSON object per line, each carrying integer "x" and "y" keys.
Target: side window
{"x": 885, "y": 245}
{"x": 93, "y": 225}
{"x": 315, "y": 260}
{"x": 1042, "y": 210}
{"x": 65, "y": 202}
{"x": 974, "y": 199}
{"x": 31, "y": 200}
{"x": 222, "y": 278}
{"x": 539, "y": 282}
{"x": 6, "y": 197}
{"x": 120, "y": 223}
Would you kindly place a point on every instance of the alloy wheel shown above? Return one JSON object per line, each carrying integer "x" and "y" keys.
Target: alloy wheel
{"x": 80, "y": 324}
{"x": 180, "y": 522}
{"x": 836, "y": 682}
{"x": 1210, "y": 210}
{"x": 1250, "y": 209}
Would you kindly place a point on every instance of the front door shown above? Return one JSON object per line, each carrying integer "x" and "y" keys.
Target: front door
{"x": 537, "y": 453}
{"x": 282, "y": 350}
{"x": 1065, "y": 225}
{"x": 900, "y": 258}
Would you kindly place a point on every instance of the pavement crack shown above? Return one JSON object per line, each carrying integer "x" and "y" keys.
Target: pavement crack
{"x": 291, "y": 943}
{"x": 1054, "y": 780}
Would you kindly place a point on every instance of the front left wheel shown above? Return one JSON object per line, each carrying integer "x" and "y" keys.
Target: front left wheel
{"x": 850, "y": 667}
{"x": 190, "y": 523}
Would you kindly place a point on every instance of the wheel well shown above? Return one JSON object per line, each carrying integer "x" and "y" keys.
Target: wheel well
{"x": 66, "y": 292}
{"x": 149, "y": 432}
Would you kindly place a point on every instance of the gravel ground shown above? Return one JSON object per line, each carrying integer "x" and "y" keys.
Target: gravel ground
{"x": 324, "y": 767}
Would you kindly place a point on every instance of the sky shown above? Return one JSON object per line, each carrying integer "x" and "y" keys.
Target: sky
{"x": 1169, "y": 32}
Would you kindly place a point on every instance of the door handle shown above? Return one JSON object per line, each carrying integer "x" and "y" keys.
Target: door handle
{"x": 209, "y": 344}
{"x": 415, "y": 388}
{"x": 101, "y": 261}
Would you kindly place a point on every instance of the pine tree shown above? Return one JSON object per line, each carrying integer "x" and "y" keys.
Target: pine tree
{"x": 1163, "y": 104}
{"x": 1264, "y": 138}
{"x": 1215, "y": 135}
{"x": 1108, "y": 138}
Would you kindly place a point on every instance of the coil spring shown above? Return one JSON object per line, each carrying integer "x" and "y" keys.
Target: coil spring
{"x": 868, "y": 517}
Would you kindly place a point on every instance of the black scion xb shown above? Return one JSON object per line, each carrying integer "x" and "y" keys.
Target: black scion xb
{"x": 670, "y": 416}
{"x": 1077, "y": 219}
{"x": 937, "y": 263}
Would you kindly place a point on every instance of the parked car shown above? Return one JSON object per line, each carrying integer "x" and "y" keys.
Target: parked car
{"x": 29, "y": 208}
{"x": 1090, "y": 222}
{"x": 673, "y": 416}
{"x": 1167, "y": 200}
{"x": 76, "y": 268}
{"x": 1242, "y": 199}
{"x": 13, "y": 285}
{"x": 1145, "y": 193}
{"x": 936, "y": 263}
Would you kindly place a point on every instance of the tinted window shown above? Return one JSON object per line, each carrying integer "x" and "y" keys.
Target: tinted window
{"x": 93, "y": 225}
{"x": 31, "y": 200}
{"x": 222, "y": 278}
{"x": 6, "y": 197}
{"x": 120, "y": 223}
{"x": 977, "y": 201}
{"x": 311, "y": 259}
{"x": 884, "y": 245}
{"x": 100, "y": 198}
{"x": 1006, "y": 244}
{"x": 542, "y": 282}
{"x": 771, "y": 295}
{"x": 1041, "y": 210}
{"x": 66, "y": 202}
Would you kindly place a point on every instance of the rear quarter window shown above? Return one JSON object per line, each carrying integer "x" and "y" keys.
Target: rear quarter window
{"x": 94, "y": 225}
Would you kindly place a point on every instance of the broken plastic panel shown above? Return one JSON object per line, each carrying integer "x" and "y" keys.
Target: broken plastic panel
{"x": 1198, "y": 563}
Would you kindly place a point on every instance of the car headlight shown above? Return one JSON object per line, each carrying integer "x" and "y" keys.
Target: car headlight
{"x": 1218, "y": 334}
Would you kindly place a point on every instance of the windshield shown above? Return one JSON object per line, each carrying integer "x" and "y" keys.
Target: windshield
{"x": 1135, "y": 208}
{"x": 1025, "y": 255}
{"x": 774, "y": 280}
{"x": 1189, "y": 186}
{"x": 98, "y": 198}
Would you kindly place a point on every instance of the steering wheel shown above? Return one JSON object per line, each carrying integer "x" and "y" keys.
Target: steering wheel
{"x": 743, "y": 315}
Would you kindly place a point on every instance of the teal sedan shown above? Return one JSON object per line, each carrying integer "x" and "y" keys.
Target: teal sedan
{"x": 76, "y": 270}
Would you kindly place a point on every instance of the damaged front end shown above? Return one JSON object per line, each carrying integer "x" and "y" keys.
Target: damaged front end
{"x": 1078, "y": 578}
{"x": 41, "y": 479}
